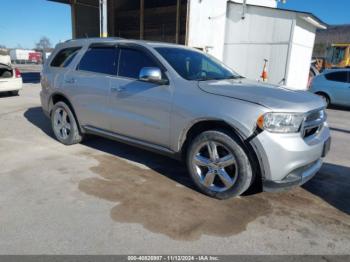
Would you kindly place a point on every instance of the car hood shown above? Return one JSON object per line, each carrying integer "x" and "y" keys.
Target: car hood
{"x": 274, "y": 97}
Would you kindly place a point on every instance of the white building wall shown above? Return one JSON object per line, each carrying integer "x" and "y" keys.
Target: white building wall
{"x": 264, "y": 34}
{"x": 207, "y": 25}
{"x": 300, "y": 55}
{"x": 281, "y": 37}
{"x": 207, "y": 19}
{"x": 268, "y": 3}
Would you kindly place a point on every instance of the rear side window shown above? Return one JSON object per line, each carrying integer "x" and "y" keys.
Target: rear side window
{"x": 65, "y": 57}
{"x": 338, "y": 76}
{"x": 131, "y": 62}
{"x": 100, "y": 60}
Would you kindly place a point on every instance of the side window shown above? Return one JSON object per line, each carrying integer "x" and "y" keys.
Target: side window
{"x": 65, "y": 57}
{"x": 100, "y": 60}
{"x": 131, "y": 62}
{"x": 341, "y": 76}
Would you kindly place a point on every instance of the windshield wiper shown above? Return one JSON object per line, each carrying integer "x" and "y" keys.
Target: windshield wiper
{"x": 234, "y": 77}
{"x": 219, "y": 78}
{"x": 208, "y": 78}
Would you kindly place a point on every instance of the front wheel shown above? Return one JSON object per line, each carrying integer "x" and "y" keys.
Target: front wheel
{"x": 218, "y": 164}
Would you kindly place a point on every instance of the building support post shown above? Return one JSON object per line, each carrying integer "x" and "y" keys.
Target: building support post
{"x": 142, "y": 19}
{"x": 103, "y": 19}
{"x": 74, "y": 20}
{"x": 178, "y": 11}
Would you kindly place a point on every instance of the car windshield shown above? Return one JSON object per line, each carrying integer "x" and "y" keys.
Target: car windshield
{"x": 195, "y": 65}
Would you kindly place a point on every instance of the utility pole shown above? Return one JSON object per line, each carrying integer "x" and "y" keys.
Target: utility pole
{"x": 103, "y": 18}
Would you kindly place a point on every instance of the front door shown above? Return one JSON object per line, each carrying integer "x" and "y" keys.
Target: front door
{"x": 140, "y": 110}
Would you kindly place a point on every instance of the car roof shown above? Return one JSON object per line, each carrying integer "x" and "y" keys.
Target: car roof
{"x": 332, "y": 70}
{"x": 87, "y": 41}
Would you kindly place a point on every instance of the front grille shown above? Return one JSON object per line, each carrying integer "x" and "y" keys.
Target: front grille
{"x": 313, "y": 123}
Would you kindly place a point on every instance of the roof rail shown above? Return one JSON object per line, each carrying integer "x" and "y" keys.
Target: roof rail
{"x": 93, "y": 38}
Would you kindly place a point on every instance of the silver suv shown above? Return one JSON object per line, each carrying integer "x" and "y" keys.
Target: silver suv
{"x": 231, "y": 132}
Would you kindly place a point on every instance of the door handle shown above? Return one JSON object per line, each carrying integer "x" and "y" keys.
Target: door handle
{"x": 117, "y": 89}
{"x": 70, "y": 81}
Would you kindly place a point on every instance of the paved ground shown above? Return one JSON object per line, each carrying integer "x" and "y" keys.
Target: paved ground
{"x": 102, "y": 197}
{"x": 30, "y": 72}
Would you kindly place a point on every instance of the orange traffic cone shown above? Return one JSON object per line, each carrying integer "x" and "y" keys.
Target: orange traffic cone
{"x": 264, "y": 72}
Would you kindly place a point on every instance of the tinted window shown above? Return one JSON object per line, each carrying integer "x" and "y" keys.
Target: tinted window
{"x": 195, "y": 65}
{"x": 100, "y": 60}
{"x": 131, "y": 62}
{"x": 65, "y": 57}
{"x": 338, "y": 76}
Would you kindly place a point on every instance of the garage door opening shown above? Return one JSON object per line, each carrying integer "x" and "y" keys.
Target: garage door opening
{"x": 156, "y": 20}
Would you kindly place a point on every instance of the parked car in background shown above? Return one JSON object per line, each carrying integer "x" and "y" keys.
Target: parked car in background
{"x": 333, "y": 85}
{"x": 179, "y": 101}
{"x": 5, "y": 59}
{"x": 10, "y": 79}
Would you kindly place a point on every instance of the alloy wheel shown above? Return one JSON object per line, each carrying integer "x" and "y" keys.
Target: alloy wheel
{"x": 62, "y": 123}
{"x": 215, "y": 166}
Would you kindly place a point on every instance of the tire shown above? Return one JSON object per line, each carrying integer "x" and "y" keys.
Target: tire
{"x": 205, "y": 166}
{"x": 326, "y": 98}
{"x": 64, "y": 124}
{"x": 15, "y": 93}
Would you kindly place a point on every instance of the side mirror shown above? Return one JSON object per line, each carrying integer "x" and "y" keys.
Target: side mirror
{"x": 152, "y": 75}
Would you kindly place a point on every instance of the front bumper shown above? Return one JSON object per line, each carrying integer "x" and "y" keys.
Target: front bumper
{"x": 289, "y": 160}
{"x": 296, "y": 178}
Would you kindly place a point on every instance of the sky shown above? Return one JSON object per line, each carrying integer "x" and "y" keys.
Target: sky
{"x": 329, "y": 11}
{"x": 28, "y": 20}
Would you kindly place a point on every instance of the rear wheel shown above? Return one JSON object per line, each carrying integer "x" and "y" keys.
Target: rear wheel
{"x": 218, "y": 165}
{"x": 15, "y": 93}
{"x": 64, "y": 124}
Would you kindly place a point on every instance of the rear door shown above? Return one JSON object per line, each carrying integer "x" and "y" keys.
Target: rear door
{"x": 92, "y": 85}
{"x": 139, "y": 109}
{"x": 339, "y": 86}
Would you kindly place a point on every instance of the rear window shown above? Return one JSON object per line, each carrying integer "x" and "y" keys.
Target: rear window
{"x": 65, "y": 57}
{"x": 100, "y": 60}
{"x": 338, "y": 76}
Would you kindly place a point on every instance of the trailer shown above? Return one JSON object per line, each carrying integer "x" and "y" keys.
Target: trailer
{"x": 25, "y": 56}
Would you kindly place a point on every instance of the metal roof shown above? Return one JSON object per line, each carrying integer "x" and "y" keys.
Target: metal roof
{"x": 307, "y": 16}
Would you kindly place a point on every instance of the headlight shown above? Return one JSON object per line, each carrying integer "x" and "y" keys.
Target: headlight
{"x": 281, "y": 122}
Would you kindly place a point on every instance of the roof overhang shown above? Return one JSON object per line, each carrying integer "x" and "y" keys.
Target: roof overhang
{"x": 311, "y": 20}
{"x": 306, "y": 16}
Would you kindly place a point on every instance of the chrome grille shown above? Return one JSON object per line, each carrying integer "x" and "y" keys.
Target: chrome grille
{"x": 313, "y": 123}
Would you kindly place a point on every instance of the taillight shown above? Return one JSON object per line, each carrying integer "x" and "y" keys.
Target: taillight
{"x": 17, "y": 73}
